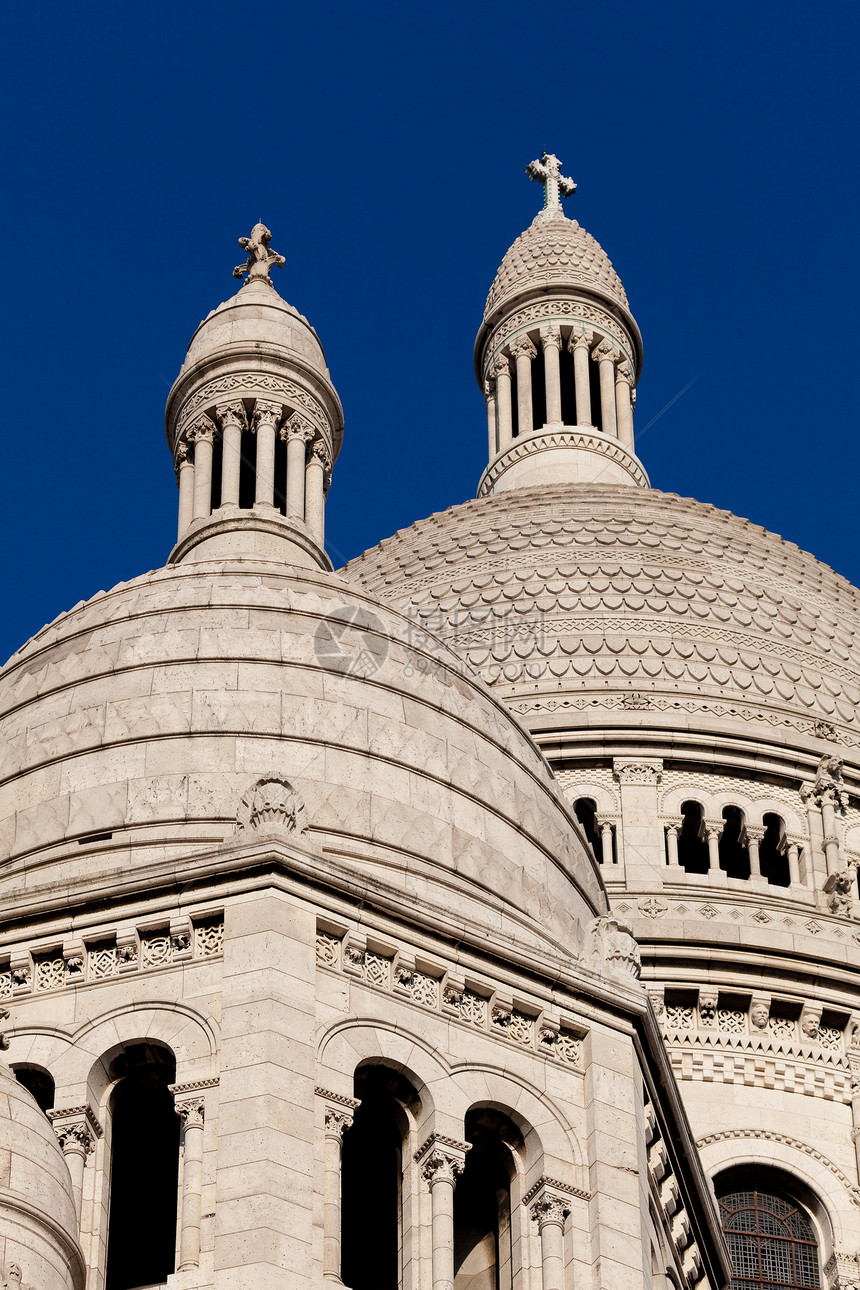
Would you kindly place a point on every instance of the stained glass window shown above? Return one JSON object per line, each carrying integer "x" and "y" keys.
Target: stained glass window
{"x": 771, "y": 1241}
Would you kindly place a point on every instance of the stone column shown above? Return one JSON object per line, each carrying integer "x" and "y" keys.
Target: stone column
{"x": 606, "y": 843}
{"x": 606, "y": 355}
{"x": 524, "y": 351}
{"x": 579, "y": 345}
{"x": 713, "y": 832}
{"x": 549, "y": 1209}
{"x": 490, "y": 400}
{"x": 76, "y": 1128}
{"x": 266, "y": 418}
{"x": 338, "y": 1118}
{"x": 318, "y": 466}
{"x": 442, "y": 1161}
{"x": 233, "y": 425}
{"x": 190, "y": 1109}
{"x": 829, "y": 804}
{"x": 202, "y": 435}
{"x": 754, "y": 837}
{"x": 794, "y": 864}
{"x": 185, "y": 475}
{"x": 502, "y": 375}
{"x": 298, "y": 433}
{"x": 623, "y": 404}
{"x": 672, "y": 831}
{"x": 551, "y": 341}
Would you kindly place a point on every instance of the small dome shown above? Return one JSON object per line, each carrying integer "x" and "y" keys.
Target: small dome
{"x": 554, "y": 250}
{"x": 38, "y": 1224}
{"x": 255, "y": 318}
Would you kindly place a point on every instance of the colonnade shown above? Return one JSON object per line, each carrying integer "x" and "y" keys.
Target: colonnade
{"x": 616, "y": 385}
{"x": 753, "y": 836}
{"x": 308, "y": 464}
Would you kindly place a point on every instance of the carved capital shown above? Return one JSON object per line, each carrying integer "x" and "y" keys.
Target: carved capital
{"x": 297, "y": 427}
{"x": 76, "y": 1128}
{"x": 605, "y": 352}
{"x": 501, "y": 366}
{"x": 231, "y": 414}
{"x": 523, "y": 348}
{"x": 271, "y": 803}
{"x": 623, "y": 375}
{"x": 337, "y": 1120}
{"x": 550, "y": 336}
{"x": 549, "y": 1201}
{"x": 191, "y": 1110}
{"x": 581, "y": 337}
{"x": 267, "y": 414}
{"x": 202, "y": 431}
{"x": 640, "y": 770}
{"x": 320, "y": 455}
{"x": 441, "y": 1159}
{"x": 612, "y": 947}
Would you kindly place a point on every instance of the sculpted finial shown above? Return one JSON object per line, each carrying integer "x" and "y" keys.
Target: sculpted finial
{"x": 555, "y": 185}
{"x": 260, "y": 258}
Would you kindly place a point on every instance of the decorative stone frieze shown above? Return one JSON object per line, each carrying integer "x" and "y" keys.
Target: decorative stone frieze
{"x": 640, "y": 770}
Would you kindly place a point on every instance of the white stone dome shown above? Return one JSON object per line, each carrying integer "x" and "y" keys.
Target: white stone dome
{"x": 132, "y": 728}
{"x": 38, "y": 1223}
{"x": 609, "y": 606}
{"x": 554, "y": 251}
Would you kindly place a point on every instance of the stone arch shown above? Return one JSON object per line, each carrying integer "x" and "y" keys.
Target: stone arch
{"x": 762, "y": 806}
{"x": 835, "y": 1195}
{"x": 606, "y": 801}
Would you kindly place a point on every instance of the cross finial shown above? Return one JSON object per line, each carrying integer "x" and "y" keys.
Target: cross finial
{"x": 555, "y": 185}
{"x": 260, "y": 258}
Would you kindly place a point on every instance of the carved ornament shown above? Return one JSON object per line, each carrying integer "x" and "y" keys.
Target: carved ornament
{"x": 271, "y": 803}
{"x": 260, "y": 257}
{"x": 611, "y": 947}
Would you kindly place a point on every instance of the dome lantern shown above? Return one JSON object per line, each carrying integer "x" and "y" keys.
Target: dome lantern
{"x": 558, "y": 355}
{"x": 254, "y": 424}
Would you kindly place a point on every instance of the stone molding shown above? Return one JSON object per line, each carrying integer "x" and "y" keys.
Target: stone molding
{"x": 546, "y": 440}
{"x": 351, "y": 1103}
{"x": 194, "y": 1086}
{"x": 788, "y": 1141}
{"x": 252, "y": 385}
{"x": 441, "y": 1158}
{"x": 565, "y": 1188}
{"x": 77, "y": 1128}
{"x": 561, "y": 312}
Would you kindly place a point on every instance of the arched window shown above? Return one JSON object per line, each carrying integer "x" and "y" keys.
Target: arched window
{"x": 144, "y": 1169}
{"x": 771, "y": 1241}
{"x": 692, "y": 843}
{"x": 734, "y": 853}
{"x": 773, "y": 851}
{"x": 585, "y": 810}
{"x": 38, "y": 1082}
{"x": 483, "y": 1239}
{"x": 372, "y": 1180}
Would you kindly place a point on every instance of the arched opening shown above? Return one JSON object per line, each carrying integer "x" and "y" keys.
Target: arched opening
{"x": 585, "y": 810}
{"x": 483, "y": 1239}
{"x": 567, "y": 379}
{"x": 372, "y": 1180}
{"x": 692, "y": 842}
{"x": 734, "y": 854}
{"x": 773, "y": 851}
{"x": 144, "y": 1168}
{"x": 538, "y": 388}
{"x": 515, "y": 416}
{"x": 594, "y": 390}
{"x": 217, "y": 471}
{"x": 280, "y": 474}
{"x": 248, "y": 471}
{"x": 770, "y": 1232}
{"x": 38, "y": 1082}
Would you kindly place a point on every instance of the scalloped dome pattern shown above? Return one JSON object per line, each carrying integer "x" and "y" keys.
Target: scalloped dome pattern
{"x": 555, "y": 250}
{"x": 645, "y": 598}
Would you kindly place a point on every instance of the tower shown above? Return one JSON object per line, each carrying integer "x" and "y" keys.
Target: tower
{"x": 306, "y": 956}
{"x": 692, "y": 679}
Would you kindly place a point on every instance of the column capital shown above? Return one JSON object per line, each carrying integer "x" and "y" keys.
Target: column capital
{"x": 203, "y": 429}
{"x": 489, "y": 386}
{"x": 754, "y": 833}
{"x": 581, "y": 337}
{"x": 714, "y": 828}
{"x": 297, "y": 427}
{"x": 232, "y": 414}
{"x": 441, "y": 1158}
{"x": 550, "y": 335}
{"x": 191, "y": 1110}
{"x": 522, "y": 347}
{"x": 337, "y": 1120}
{"x": 605, "y": 352}
{"x": 320, "y": 454}
{"x": 549, "y": 1201}
{"x": 77, "y": 1129}
{"x": 501, "y": 366}
{"x": 267, "y": 414}
{"x": 623, "y": 374}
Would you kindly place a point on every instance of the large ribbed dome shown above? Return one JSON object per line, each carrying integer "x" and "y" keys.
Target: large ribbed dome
{"x": 621, "y": 605}
{"x": 555, "y": 250}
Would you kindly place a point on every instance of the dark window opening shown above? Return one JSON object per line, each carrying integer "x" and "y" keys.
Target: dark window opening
{"x": 773, "y": 852}
{"x": 39, "y": 1083}
{"x": 585, "y": 810}
{"x": 594, "y": 386}
{"x": 280, "y": 474}
{"x": 217, "y": 470}
{"x": 248, "y": 471}
{"x": 568, "y": 387}
{"x": 371, "y": 1181}
{"x": 144, "y": 1169}
{"x": 734, "y": 854}
{"x": 692, "y": 843}
{"x": 771, "y": 1241}
{"x": 538, "y": 389}
{"x": 482, "y": 1205}
{"x": 515, "y": 409}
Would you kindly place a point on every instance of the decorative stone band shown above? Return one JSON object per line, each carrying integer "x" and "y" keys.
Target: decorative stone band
{"x": 228, "y": 390}
{"x": 564, "y": 313}
{"x": 786, "y": 1140}
{"x": 441, "y": 1158}
{"x": 351, "y": 1103}
{"x": 546, "y": 440}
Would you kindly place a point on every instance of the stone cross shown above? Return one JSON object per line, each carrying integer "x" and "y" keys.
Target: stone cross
{"x": 260, "y": 258}
{"x": 555, "y": 185}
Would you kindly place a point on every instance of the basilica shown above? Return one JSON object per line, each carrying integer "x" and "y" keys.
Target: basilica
{"x": 482, "y": 915}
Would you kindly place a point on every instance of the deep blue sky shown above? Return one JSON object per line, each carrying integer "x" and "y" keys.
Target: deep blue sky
{"x": 715, "y": 148}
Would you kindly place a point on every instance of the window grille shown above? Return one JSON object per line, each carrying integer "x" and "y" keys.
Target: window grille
{"x": 771, "y": 1241}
